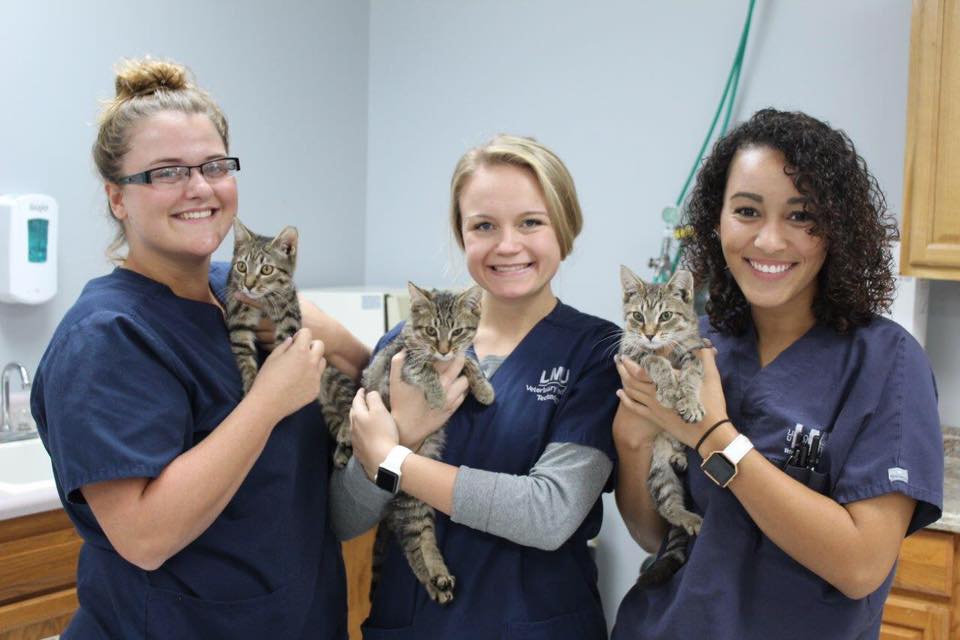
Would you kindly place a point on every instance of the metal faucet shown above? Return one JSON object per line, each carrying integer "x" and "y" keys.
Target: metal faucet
{"x": 7, "y": 430}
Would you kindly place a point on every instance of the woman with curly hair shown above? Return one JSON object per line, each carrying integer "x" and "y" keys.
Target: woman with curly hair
{"x": 821, "y": 447}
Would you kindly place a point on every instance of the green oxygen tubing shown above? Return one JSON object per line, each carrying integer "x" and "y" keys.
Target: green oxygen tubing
{"x": 671, "y": 249}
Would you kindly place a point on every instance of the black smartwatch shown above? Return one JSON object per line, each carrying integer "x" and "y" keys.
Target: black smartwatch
{"x": 388, "y": 473}
{"x": 721, "y": 466}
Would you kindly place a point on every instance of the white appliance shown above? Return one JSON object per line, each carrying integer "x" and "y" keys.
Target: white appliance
{"x": 28, "y": 248}
{"x": 911, "y": 301}
{"x": 367, "y": 312}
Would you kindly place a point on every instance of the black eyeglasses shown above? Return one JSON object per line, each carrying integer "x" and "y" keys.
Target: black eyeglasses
{"x": 212, "y": 170}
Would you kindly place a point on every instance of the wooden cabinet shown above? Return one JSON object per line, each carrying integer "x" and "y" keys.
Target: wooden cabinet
{"x": 358, "y": 560}
{"x": 931, "y": 216}
{"x": 38, "y": 571}
{"x": 925, "y": 600}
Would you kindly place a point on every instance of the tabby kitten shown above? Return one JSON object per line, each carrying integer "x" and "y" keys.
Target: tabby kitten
{"x": 262, "y": 271}
{"x": 661, "y": 334}
{"x": 442, "y": 325}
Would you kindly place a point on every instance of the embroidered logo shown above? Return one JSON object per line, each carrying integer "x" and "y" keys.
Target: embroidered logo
{"x": 897, "y": 474}
{"x": 552, "y": 384}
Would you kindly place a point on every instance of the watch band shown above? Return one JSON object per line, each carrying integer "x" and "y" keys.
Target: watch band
{"x": 738, "y": 448}
{"x": 395, "y": 458}
{"x": 388, "y": 473}
{"x": 722, "y": 466}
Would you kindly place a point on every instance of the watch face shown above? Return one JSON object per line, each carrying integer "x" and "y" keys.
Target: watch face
{"x": 719, "y": 469}
{"x": 387, "y": 480}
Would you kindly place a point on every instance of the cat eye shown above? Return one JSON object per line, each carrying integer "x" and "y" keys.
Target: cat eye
{"x": 666, "y": 315}
{"x": 266, "y": 269}
{"x": 175, "y": 175}
{"x": 456, "y": 332}
{"x": 638, "y": 316}
{"x": 430, "y": 331}
{"x": 241, "y": 267}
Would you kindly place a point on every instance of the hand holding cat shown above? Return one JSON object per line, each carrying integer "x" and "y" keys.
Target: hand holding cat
{"x": 290, "y": 376}
{"x": 373, "y": 431}
{"x": 414, "y": 417}
{"x": 633, "y": 427}
{"x": 639, "y": 396}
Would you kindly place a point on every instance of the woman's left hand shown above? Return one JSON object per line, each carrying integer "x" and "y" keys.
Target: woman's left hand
{"x": 642, "y": 393}
{"x": 372, "y": 430}
{"x": 415, "y": 418}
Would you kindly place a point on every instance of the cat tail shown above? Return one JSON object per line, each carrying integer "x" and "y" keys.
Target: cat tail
{"x": 669, "y": 561}
{"x": 336, "y": 395}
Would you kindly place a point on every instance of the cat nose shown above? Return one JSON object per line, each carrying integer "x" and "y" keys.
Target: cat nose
{"x": 650, "y": 336}
{"x": 444, "y": 347}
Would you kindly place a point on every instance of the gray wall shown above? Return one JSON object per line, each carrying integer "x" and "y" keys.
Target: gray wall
{"x": 291, "y": 77}
{"x": 624, "y": 92}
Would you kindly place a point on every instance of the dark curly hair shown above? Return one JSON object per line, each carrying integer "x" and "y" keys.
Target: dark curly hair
{"x": 844, "y": 199}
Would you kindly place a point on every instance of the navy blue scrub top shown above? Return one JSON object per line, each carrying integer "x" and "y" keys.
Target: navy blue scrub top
{"x": 558, "y": 385}
{"x": 872, "y": 392}
{"x": 135, "y": 376}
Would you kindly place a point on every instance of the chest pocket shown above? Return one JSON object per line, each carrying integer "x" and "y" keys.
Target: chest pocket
{"x": 579, "y": 625}
{"x": 171, "y": 614}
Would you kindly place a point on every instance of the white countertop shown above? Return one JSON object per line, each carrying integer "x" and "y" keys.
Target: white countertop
{"x": 26, "y": 479}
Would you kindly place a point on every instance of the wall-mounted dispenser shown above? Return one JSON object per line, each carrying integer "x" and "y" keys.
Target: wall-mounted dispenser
{"x": 28, "y": 248}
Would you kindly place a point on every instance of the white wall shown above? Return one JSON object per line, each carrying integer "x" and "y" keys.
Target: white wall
{"x": 291, "y": 77}
{"x": 623, "y": 91}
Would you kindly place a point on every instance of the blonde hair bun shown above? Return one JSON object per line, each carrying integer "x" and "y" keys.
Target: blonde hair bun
{"x": 147, "y": 76}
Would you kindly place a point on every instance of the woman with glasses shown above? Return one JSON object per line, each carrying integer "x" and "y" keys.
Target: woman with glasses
{"x": 203, "y": 512}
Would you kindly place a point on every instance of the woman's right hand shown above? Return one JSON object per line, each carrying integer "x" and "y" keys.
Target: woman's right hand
{"x": 633, "y": 426}
{"x": 414, "y": 417}
{"x": 290, "y": 376}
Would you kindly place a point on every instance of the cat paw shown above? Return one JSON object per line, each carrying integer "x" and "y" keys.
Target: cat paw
{"x": 341, "y": 456}
{"x": 441, "y": 587}
{"x": 484, "y": 393}
{"x": 690, "y": 522}
{"x": 664, "y": 398}
{"x": 678, "y": 460}
{"x": 436, "y": 400}
{"x": 690, "y": 409}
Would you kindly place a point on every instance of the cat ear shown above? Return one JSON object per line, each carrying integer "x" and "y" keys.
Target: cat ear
{"x": 471, "y": 298}
{"x": 287, "y": 241}
{"x": 681, "y": 285}
{"x": 240, "y": 232}
{"x": 418, "y": 295}
{"x": 632, "y": 284}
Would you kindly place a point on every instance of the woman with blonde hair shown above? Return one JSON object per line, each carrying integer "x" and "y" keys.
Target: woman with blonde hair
{"x": 518, "y": 488}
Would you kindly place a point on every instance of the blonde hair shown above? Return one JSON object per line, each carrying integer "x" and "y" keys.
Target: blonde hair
{"x": 145, "y": 87}
{"x": 526, "y": 153}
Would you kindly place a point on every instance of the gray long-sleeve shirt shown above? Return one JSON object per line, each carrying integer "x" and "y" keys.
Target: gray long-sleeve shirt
{"x": 541, "y": 509}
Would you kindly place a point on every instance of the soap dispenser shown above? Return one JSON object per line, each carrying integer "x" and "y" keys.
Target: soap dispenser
{"x": 28, "y": 248}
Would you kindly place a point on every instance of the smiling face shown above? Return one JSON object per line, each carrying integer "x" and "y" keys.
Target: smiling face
{"x": 173, "y": 225}
{"x": 509, "y": 240}
{"x": 764, "y": 234}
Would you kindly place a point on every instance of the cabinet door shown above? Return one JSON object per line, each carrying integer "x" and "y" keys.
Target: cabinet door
{"x": 358, "y": 562}
{"x": 931, "y": 221}
{"x": 906, "y": 617}
{"x": 39, "y": 617}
